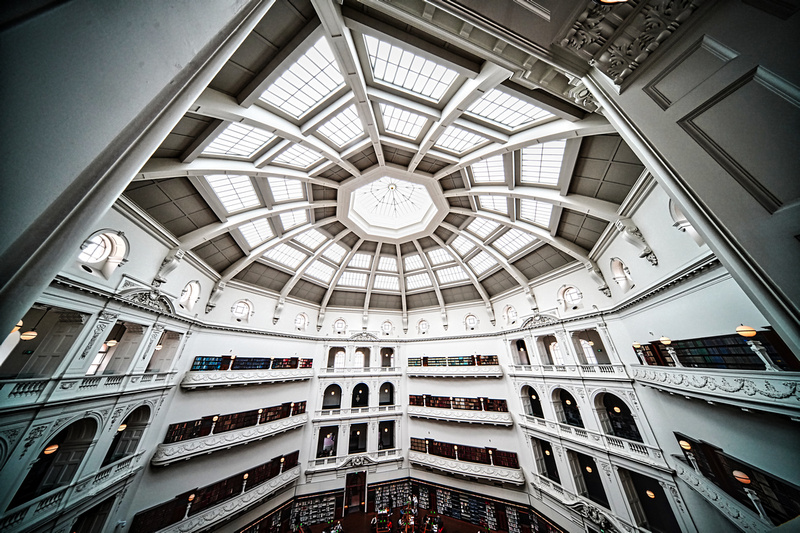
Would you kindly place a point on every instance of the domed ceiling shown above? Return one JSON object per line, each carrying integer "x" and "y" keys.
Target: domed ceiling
{"x": 366, "y": 156}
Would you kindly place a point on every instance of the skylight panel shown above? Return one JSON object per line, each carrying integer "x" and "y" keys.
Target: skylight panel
{"x": 402, "y": 122}
{"x": 413, "y": 262}
{"x": 235, "y": 192}
{"x": 482, "y": 227}
{"x": 335, "y": 253}
{"x": 451, "y": 274}
{"x": 311, "y": 239}
{"x": 494, "y": 203}
{"x": 307, "y": 82}
{"x": 457, "y": 140}
{"x": 388, "y": 264}
{"x": 439, "y": 256}
{"x": 417, "y": 281}
{"x": 256, "y": 232}
{"x": 286, "y": 255}
{"x": 391, "y": 283}
{"x": 489, "y": 170}
{"x": 239, "y": 140}
{"x": 401, "y": 68}
{"x": 320, "y": 271}
{"x": 298, "y": 156}
{"x": 541, "y": 163}
{"x": 294, "y": 218}
{"x": 512, "y": 241}
{"x": 284, "y": 189}
{"x": 482, "y": 262}
{"x": 360, "y": 261}
{"x": 353, "y": 279}
{"x": 536, "y": 212}
{"x": 462, "y": 245}
{"x": 343, "y": 127}
{"x": 509, "y": 111}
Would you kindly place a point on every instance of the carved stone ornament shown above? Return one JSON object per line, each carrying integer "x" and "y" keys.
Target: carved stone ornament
{"x": 539, "y": 320}
{"x": 726, "y": 384}
{"x": 34, "y": 434}
{"x": 99, "y": 328}
{"x": 364, "y": 336}
{"x": 357, "y": 460}
{"x": 152, "y": 299}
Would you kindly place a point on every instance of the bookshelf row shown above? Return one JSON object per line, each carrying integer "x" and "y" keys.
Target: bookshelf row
{"x": 203, "y": 363}
{"x": 449, "y": 402}
{"x": 229, "y": 422}
{"x": 457, "y": 360}
{"x": 460, "y": 452}
{"x": 196, "y": 500}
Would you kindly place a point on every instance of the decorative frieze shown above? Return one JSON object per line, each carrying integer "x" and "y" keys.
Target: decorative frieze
{"x": 497, "y": 418}
{"x": 500, "y": 474}
{"x": 225, "y": 378}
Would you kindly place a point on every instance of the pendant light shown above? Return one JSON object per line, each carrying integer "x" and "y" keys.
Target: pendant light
{"x": 746, "y": 331}
{"x": 32, "y": 333}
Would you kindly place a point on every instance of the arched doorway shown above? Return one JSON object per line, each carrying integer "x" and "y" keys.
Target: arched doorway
{"x": 617, "y": 419}
{"x": 532, "y": 402}
{"x": 360, "y": 396}
{"x": 386, "y": 395}
{"x": 332, "y": 397}
{"x": 128, "y": 436}
{"x": 567, "y": 408}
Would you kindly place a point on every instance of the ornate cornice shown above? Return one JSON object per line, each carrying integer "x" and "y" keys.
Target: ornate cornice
{"x": 497, "y": 418}
{"x": 513, "y": 476}
{"x": 216, "y": 378}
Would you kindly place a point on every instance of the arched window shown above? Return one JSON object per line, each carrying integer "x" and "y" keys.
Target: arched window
{"x": 128, "y": 436}
{"x": 242, "y": 310}
{"x": 621, "y": 274}
{"x": 386, "y": 395}
{"x": 423, "y": 326}
{"x": 510, "y": 314}
{"x": 366, "y": 356}
{"x": 532, "y": 402}
{"x": 387, "y": 327}
{"x": 300, "y": 322}
{"x": 190, "y": 295}
{"x": 470, "y": 322}
{"x": 555, "y": 353}
{"x": 387, "y": 357}
{"x": 520, "y": 352}
{"x": 567, "y": 409}
{"x": 103, "y": 252}
{"x": 616, "y": 418}
{"x": 332, "y": 397}
{"x": 360, "y": 396}
{"x": 336, "y": 357}
{"x": 588, "y": 352}
{"x": 570, "y": 297}
{"x": 339, "y": 326}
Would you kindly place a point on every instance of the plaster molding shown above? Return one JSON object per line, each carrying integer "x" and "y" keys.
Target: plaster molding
{"x": 497, "y": 418}
{"x": 193, "y": 380}
{"x": 514, "y": 476}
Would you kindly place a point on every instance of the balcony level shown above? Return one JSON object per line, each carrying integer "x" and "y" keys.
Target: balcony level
{"x": 374, "y": 461}
{"x": 468, "y": 410}
{"x": 602, "y": 372}
{"x": 357, "y": 372}
{"x": 469, "y": 366}
{"x": 487, "y": 464}
{"x": 358, "y": 412}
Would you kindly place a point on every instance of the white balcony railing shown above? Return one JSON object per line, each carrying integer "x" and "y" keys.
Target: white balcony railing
{"x": 233, "y": 506}
{"x": 479, "y": 371}
{"x": 226, "y": 378}
{"x": 497, "y": 418}
{"x": 51, "y": 504}
{"x": 500, "y": 474}
{"x": 776, "y": 392}
{"x": 186, "y": 449}
{"x": 360, "y": 371}
{"x": 355, "y": 412}
{"x": 575, "y": 371}
{"x": 638, "y": 451}
{"x": 31, "y": 391}
{"x": 370, "y": 461}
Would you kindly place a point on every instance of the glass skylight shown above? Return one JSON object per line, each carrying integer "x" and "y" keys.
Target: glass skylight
{"x": 482, "y": 227}
{"x": 536, "y": 212}
{"x": 439, "y": 256}
{"x": 395, "y": 66}
{"x": 509, "y": 111}
{"x": 360, "y": 261}
{"x": 235, "y": 192}
{"x": 335, "y": 253}
{"x": 417, "y": 281}
{"x": 284, "y": 189}
{"x": 494, "y": 203}
{"x": 311, "y": 239}
{"x": 320, "y": 271}
{"x": 256, "y": 232}
{"x": 482, "y": 262}
{"x": 343, "y": 127}
{"x": 541, "y": 163}
{"x": 239, "y": 140}
{"x": 462, "y": 245}
{"x": 413, "y": 262}
{"x": 307, "y": 82}
{"x": 457, "y": 140}
{"x": 402, "y": 122}
{"x": 298, "y": 156}
{"x": 489, "y": 170}
{"x": 286, "y": 255}
{"x": 353, "y": 279}
{"x": 388, "y": 264}
{"x": 294, "y": 218}
{"x": 512, "y": 241}
{"x": 386, "y": 282}
{"x": 449, "y": 275}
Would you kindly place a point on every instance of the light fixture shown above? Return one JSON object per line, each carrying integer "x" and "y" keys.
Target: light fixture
{"x": 191, "y": 497}
{"x": 32, "y": 333}
{"x": 617, "y": 409}
{"x": 589, "y": 469}
{"x": 245, "y": 476}
{"x": 746, "y": 331}
{"x": 122, "y": 427}
{"x": 159, "y": 346}
{"x": 50, "y": 449}
{"x": 741, "y": 477}
{"x": 568, "y": 402}
{"x": 161, "y": 342}
{"x": 547, "y": 452}
{"x": 386, "y": 430}
{"x": 215, "y": 418}
{"x": 637, "y": 345}
{"x": 358, "y": 433}
{"x": 609, "y": 2}
{"x": 533, "y": 396}
{"x": 650, "y": 494}
{"x": 666, "y": 341}
{"x": 685, "y": 445}
{"x": 16, "y": 328}
{"x": 112, "y": 342}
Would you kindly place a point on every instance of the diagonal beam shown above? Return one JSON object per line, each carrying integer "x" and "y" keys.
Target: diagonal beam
{"x": 401, "y": 273}
{"x": 435, "y": 284}
{"x": 323, "y": 307}
{"x": 370, "y": 283}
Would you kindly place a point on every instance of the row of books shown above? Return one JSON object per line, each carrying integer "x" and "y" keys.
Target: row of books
{"x": 462, "y": 452}
{"x": 203, "y": 363}
{"x": 448, "y": 402}
{"x": 457, "y": 360}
